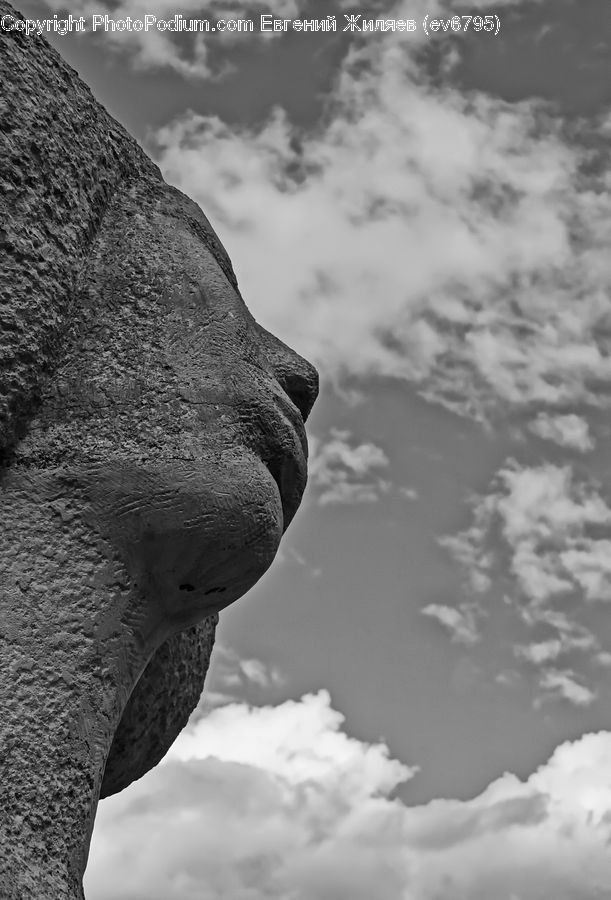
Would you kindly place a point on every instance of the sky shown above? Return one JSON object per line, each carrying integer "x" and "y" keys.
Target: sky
{"x": 413, "y": 703}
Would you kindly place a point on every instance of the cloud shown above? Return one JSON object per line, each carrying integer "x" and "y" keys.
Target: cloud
{"x": 546, "y": 516}
{"x": 564, "y": 684}
{"x": 550, "y": 650}
{"x": 467, "y": 547}
{"x": 259, "y": 673}
{"x": 341, "y": 472}
{"x": 253, "y": 802}
{"x": 460, "y": 621}
{"x": 232, "y": 677}
{"x": 261, "y": 802}
{"x": 420, "y": 7}
{"x": 452, "y": 241}
{"x": 546, "y": 530}
{"x": 568, "y": 431}
{"x": 291, "y": 554}
{"x": 188, "y": 54}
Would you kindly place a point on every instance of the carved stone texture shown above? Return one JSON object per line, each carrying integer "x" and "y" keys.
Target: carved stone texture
{"x": 160, "y": 705}
{"x": 152, "y": 453}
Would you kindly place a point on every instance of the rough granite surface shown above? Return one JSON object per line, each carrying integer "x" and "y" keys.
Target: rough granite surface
{"x": 152, "y": 453}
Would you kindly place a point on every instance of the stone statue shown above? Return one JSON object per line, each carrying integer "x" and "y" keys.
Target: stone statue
{"x": 152, "y": 453}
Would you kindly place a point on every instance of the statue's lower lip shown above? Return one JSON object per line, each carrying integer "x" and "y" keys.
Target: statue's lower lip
{"x": 287, "y": 475}
{"x": 283, "y": 451}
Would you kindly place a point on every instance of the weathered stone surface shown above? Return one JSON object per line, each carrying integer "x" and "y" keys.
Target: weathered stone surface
{"x": 159, "y": 707}
{"x": 152, "y": 453}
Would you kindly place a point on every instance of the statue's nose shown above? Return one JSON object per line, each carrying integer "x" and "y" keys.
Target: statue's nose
{"x": 296, "y": 376}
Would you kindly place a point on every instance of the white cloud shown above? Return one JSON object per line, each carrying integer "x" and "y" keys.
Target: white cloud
{"x": 545, "y": 515}
{"x": 291, "y": 554}
{"x": 259, "y": 673}
{"x": 232, "y": 678}
{"x": 548, "y": 651}
{"x": 446, "y": 240}
{"x": 508, "y": 677}
{"x": 564, "y": 684}
{"x": 467, "y": 548}
{"x": 341, "y": 472}
{"x": 590, "y": 565}
{"x": 541, "y": 652}
{"x": 253, "y": 802}
{"x": 188, "y": 55}
{"x": 547, "y": 530}
{"x": 460, "y": 621}
{"x": 568, "y": 431}
{"x": 278, "y": 802}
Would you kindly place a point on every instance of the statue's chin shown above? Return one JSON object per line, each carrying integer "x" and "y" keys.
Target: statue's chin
{"x": 195, "y": 537}
{"x": 190, "y": 573}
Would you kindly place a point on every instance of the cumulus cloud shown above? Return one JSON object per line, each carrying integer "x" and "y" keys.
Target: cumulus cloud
{"x": 341, "y": 471}
{"x": 568, "y": 431}
{"x": 546, "y": 516}
{"x": 188, "y": 53}
{"x": 467, "y": 547}
{"x": 280, "y": 802}
{"x": 460, "y": 621}
{"x": 548, "y": 529}
{"x": 292, "y": 555}
{"x": 254, "y": 802}
{"x": 456, "y": 242}
{"x": 235, "y": 671}
{"x": 233, "y": 677}
{"x": 564, "y": 684}
{"x": 540, "y": 652}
